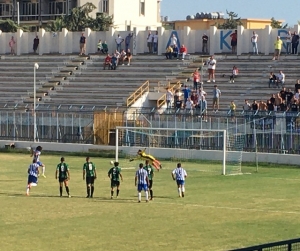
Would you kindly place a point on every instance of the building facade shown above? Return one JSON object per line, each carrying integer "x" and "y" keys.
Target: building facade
{"x": 126, "y": 13}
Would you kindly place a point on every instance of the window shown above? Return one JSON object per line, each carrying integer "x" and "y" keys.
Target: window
{"x": 57, "y": 8}
{"x": 142, "y": 7}
{"x": 105, "y": 6}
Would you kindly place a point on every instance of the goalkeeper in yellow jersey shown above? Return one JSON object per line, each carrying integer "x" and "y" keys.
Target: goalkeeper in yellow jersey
{"x": 141, "y": 154}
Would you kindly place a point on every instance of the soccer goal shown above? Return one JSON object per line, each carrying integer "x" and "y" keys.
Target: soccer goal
{"x": 209, "y": 150}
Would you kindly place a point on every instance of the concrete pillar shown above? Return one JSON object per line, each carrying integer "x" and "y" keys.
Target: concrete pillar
{"x": 268, "y": 44}
{"x": 3, "y": 42}
{"x": 213, "y": 43}
{"x": 63, "y": 43}
{"x": 241, "y": 40}
{"x": 135, "y": 40}
{"x": 187, "y": 40}
{"x": 43, "y": 43}
{"x": 161, "y": 41}
{"x": 19, "y": 42}
{"x": 110, "y": 40}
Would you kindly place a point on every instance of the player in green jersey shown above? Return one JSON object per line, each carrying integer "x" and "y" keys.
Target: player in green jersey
{"x": 115, "y": 174}
{"x": 89, "y": 171}
{"x": 63, "y": 175}
{"x": 150, "y": 171}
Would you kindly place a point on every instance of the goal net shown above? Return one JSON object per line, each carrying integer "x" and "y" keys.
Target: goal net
{"x": 208, "y": 150}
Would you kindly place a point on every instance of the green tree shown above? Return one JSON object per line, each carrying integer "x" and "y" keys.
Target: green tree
{"x": 275, "y": 24}
{"x": 10, "y": 26}
{"x": 55, "y": 25}
{"x": 232, "y": 22}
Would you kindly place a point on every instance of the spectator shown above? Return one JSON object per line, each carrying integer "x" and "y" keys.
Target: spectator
{"x": 176, "y": 96}
{"x": 196, "y": 78}
{"x": 254, "y": 106}
{"x": 127, "y": 41}
{"x": 99, "y": 46}
{"x": 216, "y": 98}
{"x": 169, "y": 52}
{"x": 203, "y": 107}
{"x": 272, "y": 99}
{"x": 117, "y": 55}
{"x": 186, "y": 93}
{"x": 114, "y": 62}
{"x": 211, "y": 69}
{"x": 119, "y": 40}
{"x": 155, "y": 42}
{"x": 189, "y": 106}
{"x": 128, "y": 57}
{"x": 262, "y": 106}
{"x": 295, "y": 43}
{"x": 182, "y": 52}
{"x": 280, "y": 79}
{"x": 254, "y": 39}
{"x": 277, "y": 47}
{"x": 104, "y": 48}
{"x": 283, "y": 93}
{"x": 201, "y": 93}
{"x": 107, "y": 62}
{"x": 82, "y": 43}
{"x": 294, "y": 107}
{"x": 270, "y": 106}
{"x": 175, "y": 51}
{"x": 297, "y": 95}
{"x": 178, "y": 103}
{"x": 283, "y": 106}
{"x": 272, "y": 79}
{"x": 204, "y": 44}
{"x": 169, "y": 98}
{"x": 122, "y": 56}
{"x": 150, "y": 41}
{"x": 173, "y": 40}
{"x": 288, "y": 42}
{"x": 289, "y": 97}
{"x": 194, "y": 98}
{"x": 246, "y": 106}
{"x": 235, "y": 72}
{"x": 232, "y": 109}
{"x": 278, "y": 101}
{"x": 12, "y": 44}
{"x": 297, "y": 85}
{"x": 36, "y": 42}
{"x": 233, "y": 41}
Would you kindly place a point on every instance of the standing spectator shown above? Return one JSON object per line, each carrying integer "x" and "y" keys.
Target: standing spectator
{"x": 104, "y": 48}
{"x": 216, "y": 98}
{"x": 297, "y": 85}
{"x": 234, "y": 74}
{"x": 203, "y": 107}
{"x": 288, "y": 42}
{"x": 280, "y": 79}
{"x": 277, "y": 47}
{"x": 246, "y": 106}
{"x": 150, "y": 41}
{"x": 175, "y": 51}
{"x": 182, "y": 52}
{"x": 12, "y": 44}
{"x": 169, "y": 52}
{"x": 194, "y": 98}
{"x": 189, "y": 106}
{"x": 211, "y": 69}
{"x": 254, "y": 39}
{"x": 178, "y": 102}
{"x": 283, "y": 93}
{"x": 173, "y": 40}
{"x": 82, "y": 43}
{"x": 272, "y": 99}
{"x": 155, "y": 42}
{"x": 89, "y": 171}
{"x": 233, "y": 41}
{"x": 176, "y": 96}
{"x": 270, "y": 106}
{"x": 283, "y": 106}
{"x": 278, "y": 101}
{"x": 262, "y": 106}
{"x": 127, "y": 41}
{"x": 289, "y": 97}
{"x": 169, "y": 98}
{"x": 272, "y": 79}
{"x": 186, "y": 93}
{"x": 99, "y": 46}
{"x": 36, "y": 42}
{"x": 295, "y": 43}
{"x": 119, "y": 40}
{"x": 254, "y": 106}
{"x": 294, "y": 107}
{"x": 196, "y": 77}
{"x": 232, "y": 110}
{"x": 297, "y": 95}
{"x": 204, "y": 44}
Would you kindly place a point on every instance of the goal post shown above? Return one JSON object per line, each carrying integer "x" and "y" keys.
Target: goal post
{"x": 199, "y": 145}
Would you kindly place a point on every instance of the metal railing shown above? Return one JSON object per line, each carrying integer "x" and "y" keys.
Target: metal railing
{"x": 138, "y": 93}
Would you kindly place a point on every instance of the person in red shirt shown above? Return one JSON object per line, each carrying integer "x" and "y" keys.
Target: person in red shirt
{"x": 107, "y": 61}
{"x": 182, "y": 52}
{"x": 196, "y": 77}
{"x": 233, "y": 41}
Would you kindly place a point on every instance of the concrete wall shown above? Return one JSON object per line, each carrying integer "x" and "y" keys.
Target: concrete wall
{"x": 219, "y": 40}
{"x": 159, "y": 152}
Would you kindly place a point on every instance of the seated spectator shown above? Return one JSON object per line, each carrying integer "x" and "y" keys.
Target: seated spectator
{"x": 270, "y": 106}
{"x": 122, "y": 56}
{"x": 235, "y": 72}
{"x": 175, "y": 51}
{"x": 182, "y": 52}
{"x": 99, "y": 46}
{"x": 114, "y": 62}
{"x": 169, "y": 52}
{"x": 272, "y": 79}
{"x": 118, "y": 56}
{"x": 280, "y": 79}
{"x": 104, "y": 48}
{"x": 128, "y": 57}
{"x": 107, "y": 62}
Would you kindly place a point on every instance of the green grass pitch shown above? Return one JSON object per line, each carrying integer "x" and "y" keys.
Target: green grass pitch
{"x": 217, "y": 213}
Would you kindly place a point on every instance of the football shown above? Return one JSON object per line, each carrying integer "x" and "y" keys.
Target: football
{"x": 112, "y": 162}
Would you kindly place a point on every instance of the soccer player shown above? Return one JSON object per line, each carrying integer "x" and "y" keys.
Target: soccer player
{"x": 142, "y": 154}
{"x": 150, "y": 171}
{"x": 179, "y": 174}
{"x": 115, "y": 174}
{"x": 33, "y": 173}
{"x": 89, "y": 171}
{"x": 63, "y": 175}
{"x": 36, "y": 156}
{"x": 142, "y": 182}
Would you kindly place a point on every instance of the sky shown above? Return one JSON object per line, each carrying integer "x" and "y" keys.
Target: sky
{"x": 264, "y": 9}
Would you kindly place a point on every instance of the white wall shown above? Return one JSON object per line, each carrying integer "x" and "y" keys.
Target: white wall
{"x": 219, "y": 40}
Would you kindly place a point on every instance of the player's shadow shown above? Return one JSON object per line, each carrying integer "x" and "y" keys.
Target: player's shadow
{"x": 159, "y": 197}
{"x": 9, "y": 180}
{"x": 109, "y": 200}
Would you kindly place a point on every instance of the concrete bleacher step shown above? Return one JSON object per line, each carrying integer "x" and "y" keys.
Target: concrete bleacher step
{"x": 69, "y": 69}
{"x": 50, "y": 84}
{"x": 56, "y": 79}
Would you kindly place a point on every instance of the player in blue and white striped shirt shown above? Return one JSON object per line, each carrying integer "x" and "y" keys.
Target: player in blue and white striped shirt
{"x": 141, "y": 181}
{"x": 36, "y": 156}
{"x": 33, "y": 173}
{"x": 179, "y": 174}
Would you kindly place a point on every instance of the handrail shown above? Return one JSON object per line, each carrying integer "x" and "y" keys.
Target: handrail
{"x": 137, "y": 93}
{"x": 162, "y": 100}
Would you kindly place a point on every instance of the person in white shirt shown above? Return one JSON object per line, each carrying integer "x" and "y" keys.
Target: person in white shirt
{"x": 155, "y": 42}
{"x": 119, "y": 40}
{"x": 169, "y": 98}
{"x": 211, "y": 69}
{"x": 254, "y": 39}
{"x": 288, "y": 39}
{"x": 173, "y": 40}
{"x": 280, "y": 79}
{"x": 179, "y": 174}
{"x": 118, "y": 56}
{"x": 150, "y": 41}
{"x": 189, "y": 105}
